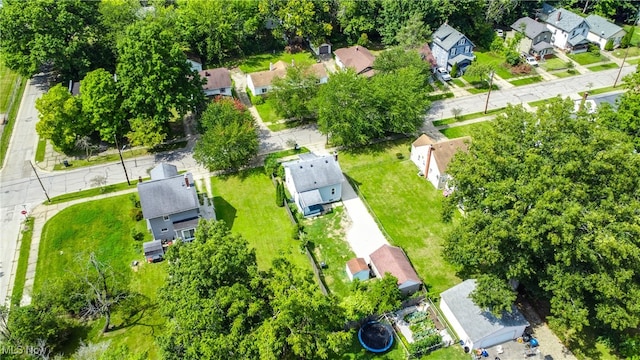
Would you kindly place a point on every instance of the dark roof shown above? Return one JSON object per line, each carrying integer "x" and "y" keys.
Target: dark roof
{"x": 186, "y": 224}
{"x": 391, "y": 259}
{"x": 532, "y": 28}
{"x": 542, "y": 45}
{"x": 477, "y": 323}
{"x": 446, "y": 36}
{"x": 427, "y": 55}
{"x": 152, "y": 247}
{"x": 358, "y": 58}
{"x": 167, "y": 196}
{"x": 564, "y": 19}
{"x": 601, "y": 26}
{"x": 216, "y": 78}
{"x": 315, "y": 173}
{"x": 577, "y": 40}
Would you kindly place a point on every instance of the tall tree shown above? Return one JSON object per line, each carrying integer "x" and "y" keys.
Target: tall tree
{"x": 60, "y": 118}
{"x": 31, "y": 324}
{"x": 101, "y": 101}
{"x": 116, "y": 16}
{"x": 357, "y": 18}
{"x": 397, "y": 58}
{"x": 550, "y": 200}
{"x": 66, "y": 34}
{"x": 299, "y": 18}
{"x": 230, "y": 137}
{"x": 626, "y": 115}
{"x": 394, "y": 15}
{"x": 292, "y": 94}
{"x": 414, "y": 33}
{"x": 155, "y": 80}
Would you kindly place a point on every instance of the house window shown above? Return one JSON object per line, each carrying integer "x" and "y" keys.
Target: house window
{"x": 223, "y": 90}
{"x": 263, "y": 90}
{"x": 164, "y": 230}
{"x": 333, "y": 191}
{"x": 189, "y": 234}
{"x": 467, "y": 49}
{"x": 165, "y": 218}
{"x": 453, "y": 52}
{"x": 461, "y": 42}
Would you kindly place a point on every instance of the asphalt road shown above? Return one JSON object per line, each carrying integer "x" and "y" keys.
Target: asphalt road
{"x": 20, "y": 190}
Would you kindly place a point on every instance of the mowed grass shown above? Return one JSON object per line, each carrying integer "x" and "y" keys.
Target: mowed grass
{"x": 602, "y": 67}
{"x": 587, "y": 58}
{"x": 630, "y": 52}
{"x": 465, "y": 130}
{"x": 497, "y": 61}
{"x": 8, "y": 81}
{"x": 527, "y": 81}
{"x": 407, "y": 206}
{"x": 553, "y": 64}
{"x": 103, "y": 227}
{"x": 566, "y": 73}
{"x": 247, "y": 203}
{"x": 261, "y": 62}
{"x": 267, "y": 111}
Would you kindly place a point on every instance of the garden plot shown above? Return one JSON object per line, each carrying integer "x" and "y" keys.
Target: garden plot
{"x": 422, "y": 329}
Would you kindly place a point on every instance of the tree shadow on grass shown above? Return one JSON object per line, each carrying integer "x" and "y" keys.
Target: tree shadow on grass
{"x": 225, "y": 211}
{"x": 378, "y": 146}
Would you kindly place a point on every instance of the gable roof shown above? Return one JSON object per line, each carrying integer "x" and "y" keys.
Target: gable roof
{"x": 358, "y": 58}
{"x": 532, "y": 28}
{"x": 216, "y": 78}
{"x": 564, "y": 19}
{"x": 423, "y": 140}
{"x": 601, "y": 26}
{"x": 444, "y": 151}
{"x": 477, "y": 323}
{"x": 356, "y": 265}
{"x": 314, "y": 173}
{"x": 391, "y": 259}
{"x": 427, "y": 55}
{"x": 279, "y": 69}
{"x": 163, "y": 171}
{"x": 152, "y": 247}
{"x": 446, "y": 37}
{"x": 167, "y": 196}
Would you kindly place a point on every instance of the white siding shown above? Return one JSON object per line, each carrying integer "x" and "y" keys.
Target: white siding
{"x": 433, "y": 173}
{"x": 455, "y": 324}
{"x": 419, "y": 157}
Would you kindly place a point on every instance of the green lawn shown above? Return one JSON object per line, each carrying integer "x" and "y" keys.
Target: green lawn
{"x": 465, "y": 130}
{"x": 527, "y": 81}
{"x": 566, "y": 73}
{"x": 8, "y": 128}
{"x": 407, "y": 206}
{"x": 635, "y": 39}
{"x": 268, "y": 112}
{"x": 246, "y": 202}
{"x": 492, "y": 59}
{"x": 538, "y": 102}
{"x": 458, "y": 83}
{"x": 92, "y": 192}
{"x": 261, "y": 62}
{"x": 587, "y": 58}
{"x": 103, "y": 227}
{"x": 327, "y": 241}
{"x": 553, "y": 64}
{"x": 467, "y": 117}
{"x": 602, "y": 67}
{"x": 23, "y": 262}
{"x": 8, "y": 80}
{"x": 480, "y": 88}
{"x": 602, "y": 90}
{"x": 632, "y": 51}
{"x": 441, "y": 96}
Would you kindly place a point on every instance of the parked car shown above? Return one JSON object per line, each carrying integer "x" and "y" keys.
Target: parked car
{"x": 443, "y": 74}
{"x": 529, "y": 59}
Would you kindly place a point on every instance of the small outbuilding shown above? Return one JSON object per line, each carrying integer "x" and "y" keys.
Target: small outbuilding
{"x": 153, "y": 251}
{"x": 391, "y": 259}
{"x": 478, "y": 328}
{"x": 357, "y": 268}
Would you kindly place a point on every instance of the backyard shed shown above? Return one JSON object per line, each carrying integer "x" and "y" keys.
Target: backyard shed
{"x": 357, "y": 268}
{"x": 391, "y": 259}
{"x": 153, "y": 251}
{"x": 478, "y": 328}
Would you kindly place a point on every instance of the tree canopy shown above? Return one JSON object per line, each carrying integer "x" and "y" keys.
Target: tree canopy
{"x": 101, "y": 101}
{"x": 293, "y": 93}
{"x": 229, "y": 136}
{"x": 551, "y": 201}
{"x": 626, "y": 114}
{"x": 60, "y": 118}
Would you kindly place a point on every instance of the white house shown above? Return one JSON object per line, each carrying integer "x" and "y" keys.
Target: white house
{"x": 432, "y": 158}
{"x": 451, "y": 47}
{"x": 313, "y": 181}
{"x": 218, "y": 82}
{"x": 260, "y": 82}
{"x": 602, "y": 30}
{"x": 478, "y": 328}
{"x": 358, "y": 58}
{"x": 568, "y": 30}
{"x": 357, "y": 268}
{"x": 391, "y": 259}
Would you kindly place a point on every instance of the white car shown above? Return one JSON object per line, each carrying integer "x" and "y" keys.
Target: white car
{"x": 443, "y": 74}
{"x": 531, "y": 61}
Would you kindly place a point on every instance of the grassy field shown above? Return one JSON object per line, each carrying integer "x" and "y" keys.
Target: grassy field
{"x": 553, "y": 64}
{"x": 467, "y": 117}
{"x": 587, "y": 58}
{"x": 441, "y": 96}
{"x": 635, "y": 39}
{"x": 23, "y": 262}
{"x": 92, "y": 192}
{"x": 527, "y": 81}
{"x": 246, "y": 202}
{"x": 465, "y": 130}
{"x": 492, "y": 59}
{"x": 482, "y": 88}
{"x": 8, "y": 128}
{"x": 261, "y": 62}
{"x": 8, "y": 80}
{"x": 458, "y": 82}
{"x": 602, "y": 67}
{"x": 103, "y": 227}
{"x": 566, "y": 73}
{"x": 268, "y": 112}
{"x": 406, "y": 205}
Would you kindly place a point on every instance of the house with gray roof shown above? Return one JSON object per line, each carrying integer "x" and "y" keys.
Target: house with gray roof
{"x": 568, "y": 30}
{"x": 313, "y": 181}
{"x": 450, "y": 46}
{"x": 536, "y": 39}
{"x": 478, "y": 328}
{"x": 170, "y": 204}
{"x": 602, "y": 30}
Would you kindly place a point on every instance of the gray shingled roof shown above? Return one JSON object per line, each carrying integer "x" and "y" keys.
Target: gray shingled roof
{"x": 542, "y": 45}
{"x": 532, "y": 28}
{"x": 476, "y": 322}
{"x": 152, "y": 247}
{"x": 315, "y": 173}
{"x": 601, "y": 26}
{"x": 163, "y": 171}
{"x": 446, "y": 36}
{"x": 166, "y": 196}
{"x": 568, "y": 20}
{"x": 577, "y": 40}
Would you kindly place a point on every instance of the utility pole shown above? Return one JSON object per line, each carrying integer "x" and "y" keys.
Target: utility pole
{"x": 121, "y": 160}
{"x": 621, "y": 66}
{"x": 40, "y": 181}
{"x": 486, "y": 104}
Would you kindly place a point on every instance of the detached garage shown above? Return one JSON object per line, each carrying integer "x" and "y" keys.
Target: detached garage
{"x": 478, "y": 328}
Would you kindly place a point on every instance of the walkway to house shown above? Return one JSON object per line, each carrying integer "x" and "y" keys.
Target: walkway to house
{"x": 364, "y": 235}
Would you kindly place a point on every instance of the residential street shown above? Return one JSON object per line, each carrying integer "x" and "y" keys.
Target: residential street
{"x": 20, "y": 189}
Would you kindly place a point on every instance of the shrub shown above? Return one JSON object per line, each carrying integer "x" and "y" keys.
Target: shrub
{"x": 512, "y": 57}
{"x": 497, "y": 45}
{"x": 271, "y": 165}
{"x": 521, "y": 69}
{"x": 363, "y": 40}
{"x": 135, "y": 214}
{"x": 625, "y": 42}
{"x": 137, "y": 235}
{"x": 454, "y": 70}
{"x": 134, "y": 200}
{"x": 279, "y": 194}
{"x": 609, "y": 45}
{"x": 594, "y": 49}
{"x": 257, "y": 100}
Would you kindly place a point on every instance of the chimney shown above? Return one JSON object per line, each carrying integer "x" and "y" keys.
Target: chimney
{"x": 186, "y": 180}
{"x": 206, "y": 73}
{"x": 357, "y": 48}
{"x": 270, "y": 66}
{"x": 559, "y": 15}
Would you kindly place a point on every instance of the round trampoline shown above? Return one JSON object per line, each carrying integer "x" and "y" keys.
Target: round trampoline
{"x": 375, "y": 336}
